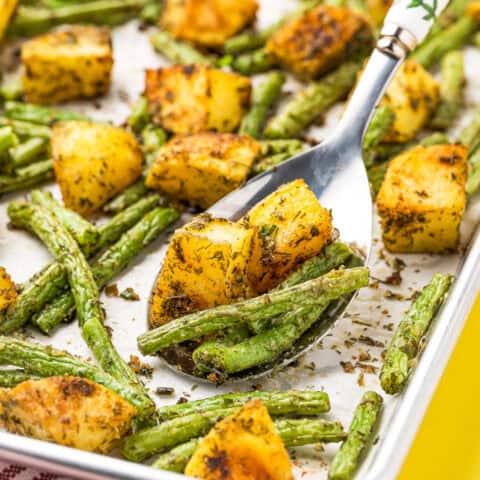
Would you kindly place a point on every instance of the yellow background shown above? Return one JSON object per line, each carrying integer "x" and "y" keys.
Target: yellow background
{"x": 447, "y": 445}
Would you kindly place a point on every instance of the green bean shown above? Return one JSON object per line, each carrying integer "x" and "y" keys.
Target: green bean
{"x": 30, "y": 21}
{"x": 359, "y": 435}
{"x": 139, "y": 117}
{"x": 176, "y": 51}
{"x": 311, "y": 293}
{"x": 11, "y": 378}
{"x": 27, "y": 177}
{"x": 26, "y": 129}
{"x": 109, "y": 264}
{"x": 84, "y": 233}
{"x": 250, "y": 63}
{"x": 42, "y": 361}
{"x": 264, "y": 96}
{"x": 28, "y": 152}
{"x": 29, "y": 112}
{"x": 405, "y": 346}
{"x": 451, "y": 38}
{"x": 307, "y": 105}
{"x": 451, "y": 90}
{"x": 84, "y": 289}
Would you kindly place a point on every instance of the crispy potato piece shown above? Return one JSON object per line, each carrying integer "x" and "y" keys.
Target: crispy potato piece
{"x": 473, "y": 10}
{"x": 8, "y": 290}
{"x": 413, "y": 95}
{"x": 207, "y": 23}
{"x": 422, "y": 199}
{"x": 291, "y": 227}
{"x": 71, "y": 411}
{"x": 67, "y": 64}
{"x": 206, "y": 265}
{"x": 93, "y": 162}
{"x": 7, "y": 7}
{"x": 229, "y": 99}
{"x": 196, "y": 98}
{"x": 203, "y": 168}
{"x": 319, "y": 40}
{"x": 243, "y": 446}
{"x": 177, "y": 97}
{"x": 378, "y": 9}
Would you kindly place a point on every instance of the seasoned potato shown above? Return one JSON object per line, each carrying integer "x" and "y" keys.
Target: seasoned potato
{"x": 93, "y": 162}
{"x": 319, "y": 40}
{"x": 196, "y": 98}
{"x": 243, "y": 446}
{"x": 7, "y": 7}
{"x": 473, "y": 10}
{"x": 8, "y": 291}
{"x": 422, "y": 199}
{"x": 71, "y": 411}
{"x": 413, "y": 95}
{"x": 203, "y": 168}
{"x": 68, "y": 64}
{"x": 205, "y": 265}
{"x": 378, "y": 9}
{"x": 291, "y": 226}
{"x": 207, "y": 23}
{"x": 228, "y": 100}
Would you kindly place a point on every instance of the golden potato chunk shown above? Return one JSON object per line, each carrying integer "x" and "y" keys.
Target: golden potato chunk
{"x": 291, "y": 227}
{"x": 378, "y": 9}
{"x": 196, "y": 98}
{"x": 243, "y": 446}
{"x": 318, "y": 40}
{"x": 206, "y": 265}
{"x": 413, "y": 95}
{"x": 473, "y": 10}
{"x": 7, "y": 7}
{"x": 70, "y": 411}
{"x": 93, "y": 162}
{"x": 203, "y": 168}
{"x": 207, "y": 23}
{"x": 67, "y": 64}
{"x": 8, "y": 290}
{"x": 422, "y": 199}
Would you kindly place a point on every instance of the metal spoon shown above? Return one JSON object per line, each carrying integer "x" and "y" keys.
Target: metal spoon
{"x": 334, "y": 170}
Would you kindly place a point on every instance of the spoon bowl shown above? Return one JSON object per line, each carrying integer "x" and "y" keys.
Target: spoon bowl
{"x": 334, "y": 171}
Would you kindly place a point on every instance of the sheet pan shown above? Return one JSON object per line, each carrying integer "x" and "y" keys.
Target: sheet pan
{"x": 353, "y": 345}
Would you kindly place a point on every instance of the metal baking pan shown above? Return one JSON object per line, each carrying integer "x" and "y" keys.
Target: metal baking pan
{"x": 354, "y": 343}
{"x": 395, "y": 434}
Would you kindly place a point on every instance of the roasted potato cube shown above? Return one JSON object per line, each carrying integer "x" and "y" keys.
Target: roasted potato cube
{"x": 291, "y": 227}
{"x": 7, "y": 7}
{"x": 8, "y": 291}
{"x": 243, "y": 446}
{"x": 422, "y": 199}
{"x": 66, "y": 65}
{"x": 473, "y": 10}
{"x": 205, "y": 265}
{"x": 413, "y": 95}
{"x": 318, "y": 40}
{"x": 378, "y": 9}
{"x": 228, "y": 100}
{"x": 203, "y": 168}
{"x": 196, "y": 98}
{"x": 177, "y": 97}
{"x": 207, "y": 23}
{"x": 93, "y": 162}
{"x": 71, "y": 411}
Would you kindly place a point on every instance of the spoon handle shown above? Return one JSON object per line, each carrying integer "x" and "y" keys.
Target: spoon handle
{"x": 407, "y": 24}
{"x": 415, "y": 16}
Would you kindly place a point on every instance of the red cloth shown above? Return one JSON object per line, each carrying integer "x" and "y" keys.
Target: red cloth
{"x": 19, "y": 472}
